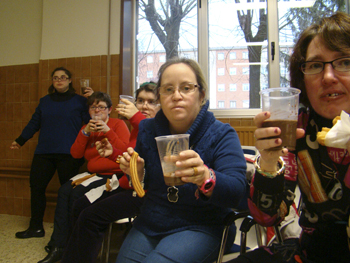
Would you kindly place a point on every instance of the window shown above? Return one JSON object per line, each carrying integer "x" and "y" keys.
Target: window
{"x": 221, "y": 87}
{"x": 233, "y": 71}
{"x": 162, "y": 58}
{"x": 245, "y": 103}
{"x": 245, "y": 55}
{"x": 149, "y": 59}
{"x": 233, "y": 87}
{"x": 221, "y": 71}
{"x": 223, "y": 34}
{"x": 233, "y": 104}
{"x": 149, "y": 74}
{"x": 221, "y": 104}
{"x": 245, "y": 87}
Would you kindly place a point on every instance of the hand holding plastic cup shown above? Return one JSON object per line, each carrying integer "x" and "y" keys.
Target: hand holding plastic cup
{"x": 168, "y": 146}
{"x": 283, "y": 104}
{"x": 126, "y": 97}
{"x": 84, "y": 83}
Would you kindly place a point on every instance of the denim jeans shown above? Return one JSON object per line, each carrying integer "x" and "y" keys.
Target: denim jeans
{"x": 188, "y": 246}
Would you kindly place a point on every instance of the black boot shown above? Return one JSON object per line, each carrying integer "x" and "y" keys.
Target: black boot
{"x": 31, "y": 232}
{"x": 54, "y": 255}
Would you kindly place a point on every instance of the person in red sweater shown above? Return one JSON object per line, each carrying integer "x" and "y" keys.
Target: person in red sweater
{"x": 92, "y": 221}
{"x": 102, "y": 178}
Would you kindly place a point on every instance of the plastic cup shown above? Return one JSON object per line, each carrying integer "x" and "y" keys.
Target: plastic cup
{"x": 84, "y": 83}
{"x": 283, "y": 104}
{"x": 168, "y": 146}
{"x": 127, "y": 97}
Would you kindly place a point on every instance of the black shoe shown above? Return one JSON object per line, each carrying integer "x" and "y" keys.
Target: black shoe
{"x": 31, "y": 232}
{"x": 54, "y": 255}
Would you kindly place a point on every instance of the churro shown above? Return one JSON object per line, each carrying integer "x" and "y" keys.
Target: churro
{"x": 134, "y": 176}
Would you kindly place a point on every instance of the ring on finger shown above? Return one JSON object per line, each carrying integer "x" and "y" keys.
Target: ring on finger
{"x": 195, "y": 171}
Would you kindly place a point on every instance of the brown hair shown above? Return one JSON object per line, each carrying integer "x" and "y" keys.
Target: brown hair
{"x": 148, "y": 87}
{"x": 98, "y": 96}
{"x": 334, "y": 32}
{"x": 69, "y": 74}
{"x": 196, "y": 69}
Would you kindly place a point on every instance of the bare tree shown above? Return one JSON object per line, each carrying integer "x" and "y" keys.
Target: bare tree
{"x": 254, "y": 52}
{"x": 166, "y": 25}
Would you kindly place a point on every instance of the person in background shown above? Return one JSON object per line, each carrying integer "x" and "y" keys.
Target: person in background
{"x": 59, "y": 117}
{"x": 103, "y": 177}
{"x": 93, "y": 221}
{"x": 184, "y": 223}
{"x": 320, "y": 68}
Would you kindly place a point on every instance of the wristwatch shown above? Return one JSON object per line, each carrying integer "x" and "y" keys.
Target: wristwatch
{"x": 208, "y": 184}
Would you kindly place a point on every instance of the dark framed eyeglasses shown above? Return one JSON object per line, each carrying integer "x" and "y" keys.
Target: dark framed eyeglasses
{"x": 184, "y": 88}
{"x": 150, "y": 103}
{"x": 63, "y": 78}
{"x": 315, "y": 67}
{"x": 100, "y": 108}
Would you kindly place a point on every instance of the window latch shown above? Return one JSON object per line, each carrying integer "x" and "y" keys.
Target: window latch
{"x": 273, "y": 50}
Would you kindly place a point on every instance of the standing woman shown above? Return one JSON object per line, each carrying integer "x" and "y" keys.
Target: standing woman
{"x": 184, "y": 223}
{"x": 59, "y": 117}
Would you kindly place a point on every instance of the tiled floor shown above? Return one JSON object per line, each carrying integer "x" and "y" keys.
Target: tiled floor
{"x": 14, "y": 250}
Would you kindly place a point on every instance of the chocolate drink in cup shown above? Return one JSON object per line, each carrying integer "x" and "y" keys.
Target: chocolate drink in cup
{"x": 288, "y": 132}
{"x": 170, "y": 146}
{"x": 84, "y": 83}
{"x": 283, "y": 105}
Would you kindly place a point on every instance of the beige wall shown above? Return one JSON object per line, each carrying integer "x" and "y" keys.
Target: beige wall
{"x": 31, "y": 30}
{"x": 20, "y": 31}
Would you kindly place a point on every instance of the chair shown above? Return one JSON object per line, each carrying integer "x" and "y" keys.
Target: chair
{"x": 106, "y": 244}
{"x": 248, "y": 220}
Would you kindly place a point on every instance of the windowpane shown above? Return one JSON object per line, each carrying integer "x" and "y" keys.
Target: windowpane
{"x": 233, "y": 87}
{"x": 166, "y": 46}
{"x": 294, "y": 17}
{"x": 221, "y": 87}
{"x": 243, "y": 58}
{"x": 221, "y": 71}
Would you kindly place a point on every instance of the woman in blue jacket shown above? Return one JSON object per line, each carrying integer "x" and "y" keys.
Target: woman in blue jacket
{"x": 59, "y": 117}
{"x": 184, "y": 223}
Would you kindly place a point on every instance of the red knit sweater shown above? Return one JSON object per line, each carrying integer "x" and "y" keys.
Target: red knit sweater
{"x": 84, "y": 146}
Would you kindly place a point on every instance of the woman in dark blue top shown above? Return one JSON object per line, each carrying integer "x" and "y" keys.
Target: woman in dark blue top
{"x": 184, "y": 223}
{"x": 59, "y": 117}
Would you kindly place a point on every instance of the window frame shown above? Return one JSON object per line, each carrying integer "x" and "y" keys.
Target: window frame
{"x": 203, "y": 56}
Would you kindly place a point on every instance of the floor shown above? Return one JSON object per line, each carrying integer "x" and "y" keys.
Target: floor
{"x": 14, "y": 250}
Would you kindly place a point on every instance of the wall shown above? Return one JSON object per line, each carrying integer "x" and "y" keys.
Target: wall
{"x": 38, "y": 36}
{"x": 20, "y": 31}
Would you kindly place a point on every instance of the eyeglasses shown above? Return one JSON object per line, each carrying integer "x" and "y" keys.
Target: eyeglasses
{"x": 315, "y": 67}
{"x": 63, "y": 78}
{"x": 183, "y": 89}
{"x": 100, "y": 108}
{"x": 150, "y": 103}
